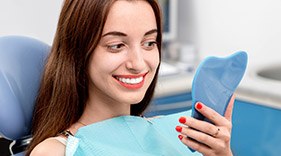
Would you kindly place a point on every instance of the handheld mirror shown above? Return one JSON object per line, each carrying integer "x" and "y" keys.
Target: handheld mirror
{"x": 215, "y": 81}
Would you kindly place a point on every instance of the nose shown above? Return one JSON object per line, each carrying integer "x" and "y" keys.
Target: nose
{"x": 136, "y": 61}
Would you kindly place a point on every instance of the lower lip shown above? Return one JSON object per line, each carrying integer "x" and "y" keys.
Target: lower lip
{"x": 132, "y": 86}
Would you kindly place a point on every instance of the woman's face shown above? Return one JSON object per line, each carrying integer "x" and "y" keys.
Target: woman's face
{"x": 124, "y": 63}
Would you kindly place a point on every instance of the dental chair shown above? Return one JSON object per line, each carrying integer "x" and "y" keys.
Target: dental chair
{"x": 21, "y": 64}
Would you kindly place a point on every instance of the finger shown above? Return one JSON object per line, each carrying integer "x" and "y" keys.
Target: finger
{"x": 200, "y": 125}
{"x": 195, "y": 145}
{"x": 201, "y": 137}
{"x": 229, "y": 109}
{"x": 211, "y": 114}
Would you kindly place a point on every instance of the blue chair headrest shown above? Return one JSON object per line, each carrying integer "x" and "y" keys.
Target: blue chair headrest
{"x": 21, "y": 64}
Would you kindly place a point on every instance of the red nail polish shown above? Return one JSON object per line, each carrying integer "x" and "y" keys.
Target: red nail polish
{"x": 182, "y": 120}
{"x": 179, "y": 128}
{"x": 180, "y": 137}
{"x": 199, "y": 106}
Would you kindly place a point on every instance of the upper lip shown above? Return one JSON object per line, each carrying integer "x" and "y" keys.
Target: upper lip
{"x": 130, "y": 76}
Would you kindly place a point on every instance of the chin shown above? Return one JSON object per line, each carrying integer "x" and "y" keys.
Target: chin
{"x": 135, "y": 100}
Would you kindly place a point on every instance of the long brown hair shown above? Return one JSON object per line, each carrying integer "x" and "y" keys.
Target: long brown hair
{"x": 64, "y": 87}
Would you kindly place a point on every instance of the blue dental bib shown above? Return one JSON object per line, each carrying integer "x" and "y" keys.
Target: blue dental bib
{"x": 129, "y": 136}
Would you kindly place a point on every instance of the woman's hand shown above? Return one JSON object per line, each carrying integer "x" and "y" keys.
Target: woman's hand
{"x": 211, "y": 139}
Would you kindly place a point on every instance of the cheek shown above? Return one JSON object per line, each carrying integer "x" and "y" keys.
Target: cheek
{"x": 104, "y": 63}
{"x": 153, "y": 60}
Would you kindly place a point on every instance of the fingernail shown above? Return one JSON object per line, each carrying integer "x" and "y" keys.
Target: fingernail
{"x": 199, "y": 106}
{"x": 180, "y": 137}
{"x": 179, "y": 128}
{"x": 182, "y": 120}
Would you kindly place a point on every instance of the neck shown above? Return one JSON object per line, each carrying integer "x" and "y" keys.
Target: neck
{"x": 98, "y": 111}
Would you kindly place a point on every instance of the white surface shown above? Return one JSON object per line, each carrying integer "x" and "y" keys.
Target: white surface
{"x": 38, "y": 19}
{"x": 33, "y": 18}
{"x": 259, "y": 90}
{"x": 167, "y": 69}
{"x": 172, "y": 80}
{"x": 223, "y": 27}
{"x": 173, "y": 84}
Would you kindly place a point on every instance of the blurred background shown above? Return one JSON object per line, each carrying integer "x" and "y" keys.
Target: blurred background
{"x": 195, "y": 29}
{"x": 213, "y": 27}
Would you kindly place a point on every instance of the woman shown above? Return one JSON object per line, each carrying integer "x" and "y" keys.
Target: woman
{"x": 104, "y": 64}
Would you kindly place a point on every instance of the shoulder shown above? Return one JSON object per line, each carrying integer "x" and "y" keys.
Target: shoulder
{"x": 49, "y": 147}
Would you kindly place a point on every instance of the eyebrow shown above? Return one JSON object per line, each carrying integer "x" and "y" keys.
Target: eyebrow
{"x": 151, "y": 32}
{"x": 117, "y": 33}
{"x": 114, "y": 33}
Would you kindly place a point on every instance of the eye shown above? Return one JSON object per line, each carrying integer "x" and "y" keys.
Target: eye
{"x": 149, "y": 45}
{"x": 115, "y": 47}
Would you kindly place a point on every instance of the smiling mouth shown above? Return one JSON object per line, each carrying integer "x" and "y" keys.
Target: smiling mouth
{"x": 131, "y": 81}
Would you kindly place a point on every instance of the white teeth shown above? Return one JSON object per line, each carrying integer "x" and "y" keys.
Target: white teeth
{"x": 130, "y": 80}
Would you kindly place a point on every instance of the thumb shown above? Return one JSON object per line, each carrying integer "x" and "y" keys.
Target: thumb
{"x": 229, "y": 109}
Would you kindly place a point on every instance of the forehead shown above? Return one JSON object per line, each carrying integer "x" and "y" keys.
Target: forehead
{"x": 126, "y": 16}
